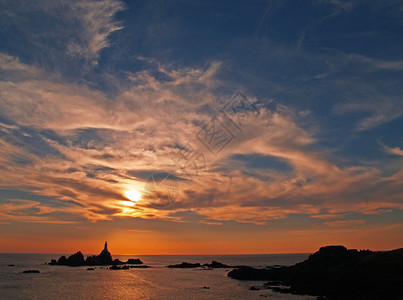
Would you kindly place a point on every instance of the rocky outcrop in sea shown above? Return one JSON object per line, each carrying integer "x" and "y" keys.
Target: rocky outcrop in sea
{"x": 103, "y": 259}
{"x": 185, "y": 265}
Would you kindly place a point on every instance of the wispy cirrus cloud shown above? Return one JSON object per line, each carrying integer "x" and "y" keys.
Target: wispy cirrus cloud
{"x": 96, "y": 24}
{"x": 63, "y": 36}
{"x": 381, "y": 111}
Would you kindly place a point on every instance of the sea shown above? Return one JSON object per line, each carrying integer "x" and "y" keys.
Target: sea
{"x": 156, "y": 282}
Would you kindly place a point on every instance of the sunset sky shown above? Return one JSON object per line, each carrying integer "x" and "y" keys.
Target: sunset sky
{"x": 200, "y": 127}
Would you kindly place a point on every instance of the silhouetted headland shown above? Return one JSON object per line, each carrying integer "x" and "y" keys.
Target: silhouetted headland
{"x": 336, "y": 273}
{"x": 103, "y": 259}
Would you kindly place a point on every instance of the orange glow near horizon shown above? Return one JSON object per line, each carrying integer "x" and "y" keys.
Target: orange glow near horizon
{"x": 149, "y": 242}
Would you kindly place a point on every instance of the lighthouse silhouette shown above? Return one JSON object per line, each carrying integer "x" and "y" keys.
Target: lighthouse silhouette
{"x": 106, "y": 246}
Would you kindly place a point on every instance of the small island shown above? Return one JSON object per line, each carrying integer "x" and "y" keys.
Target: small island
{"x": 214, "y": 265}
{"x": 336, "y": 273}
{"x": 103, "y": 259}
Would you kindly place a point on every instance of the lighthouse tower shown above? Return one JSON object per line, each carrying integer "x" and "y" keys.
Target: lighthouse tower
{"x": 106, "y": 246}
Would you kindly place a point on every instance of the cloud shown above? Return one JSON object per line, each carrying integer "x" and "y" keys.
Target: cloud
{"x": 375, "y": 64}
{"x": 339, "y": 6}
{"x": 27, "y": 211}
{"x": 358, "y": 94}
{"x": 96, "y": 141}
{"x": 390, "y": 8}
{"x": 84, "y": 149}
{"x": 344, "y": 223}
{"x": 213, "y": 223}
{"x": 382, "y": 110}
{"x": 393, "y": 150}
{"x": 62, "y": 36}
{"x": 96, "y": 22}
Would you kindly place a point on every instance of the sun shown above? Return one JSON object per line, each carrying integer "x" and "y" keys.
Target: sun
{"x": 133, "y": 195}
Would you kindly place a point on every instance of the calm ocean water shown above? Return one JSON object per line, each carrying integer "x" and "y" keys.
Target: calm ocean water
{"x": 158, "y": 282}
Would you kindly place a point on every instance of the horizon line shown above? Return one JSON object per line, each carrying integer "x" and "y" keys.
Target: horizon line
{"x": 161, "y": 254}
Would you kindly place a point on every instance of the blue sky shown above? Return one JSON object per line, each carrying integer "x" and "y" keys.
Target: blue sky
{"x": 103, "y": 100}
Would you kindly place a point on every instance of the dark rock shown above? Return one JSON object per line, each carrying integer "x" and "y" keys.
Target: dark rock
{"x": 31, "y": 271}
{"x": 249, "y": 273}
{"x": 275, "y": 266}
{"x": 283, "y": 290}
{"x": 115, "y": 267}
{"x": 90, "y": 269}
{"x": 105, "y": 258}
{"x": 76, "y": 260}
{"x": 92, "y": 261}
{"x": 215, "y": 265}
{"x": 53, "y": 262}
{"x": 62, "y": 260}
{"x": 331, "y": 251}
{"x": 337, "y": 273}
{"x": 206, "y": 287}
{"x": 134, "y": 261}
{"x": 117, "y": 262}
{"x": 185, "y": 265}
{"x": 272, "y": 283}
{"x": 11, "y": 265}
{"x": 254, "y": 288}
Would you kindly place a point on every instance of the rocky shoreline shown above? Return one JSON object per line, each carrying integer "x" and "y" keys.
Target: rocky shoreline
{"x": 336, "y": 273}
